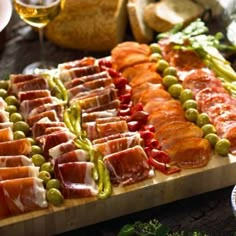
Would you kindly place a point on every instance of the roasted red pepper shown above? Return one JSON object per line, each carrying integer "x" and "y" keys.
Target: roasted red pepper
{"x": 137, "y": 107}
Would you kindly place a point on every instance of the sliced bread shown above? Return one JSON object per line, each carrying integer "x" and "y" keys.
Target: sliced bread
{"x": 141, "y": 31}
{"x": 162, "y": 16}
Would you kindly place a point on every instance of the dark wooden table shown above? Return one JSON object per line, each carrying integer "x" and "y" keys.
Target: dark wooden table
{"x": 210, "y": 212}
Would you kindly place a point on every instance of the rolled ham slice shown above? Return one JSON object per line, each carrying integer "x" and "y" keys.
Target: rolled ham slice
{"x": 15, "y": 147}
{"x": 76, "y": 179}
{"x": 14, "y": 161}
{"x": 6, "y": 134}
{"x": 128, "y": 166}
{"x": 21, "y": 196}
{"x": 18, "y": 172}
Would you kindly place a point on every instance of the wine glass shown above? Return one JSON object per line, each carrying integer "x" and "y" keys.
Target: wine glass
{"x": 38, "y": 13}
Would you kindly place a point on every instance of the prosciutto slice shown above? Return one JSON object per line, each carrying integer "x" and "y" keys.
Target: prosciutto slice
{"x": 18, "y": 172}
{"x": 17, "y": 78}
{"x": 6, "y": 134}
{"x": 84, "y": 79}
{"x": 32, "y": 94}
{"x": 21, "y": 196}
{"x": 6, "y": 125}
{"x": 15, "y": 147}
{"x": 52, "y": 116}
{"x": 14, "y": 161}
{"x": 76, "y": 179}
{"x": 3, "y": 104}
{"x": 128, "y": 166}
{"x": 87, "y": 117}
{"x": 4, "y": 116}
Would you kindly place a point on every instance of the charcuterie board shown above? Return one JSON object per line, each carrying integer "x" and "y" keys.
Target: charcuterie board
{"x": 159, "y": 190}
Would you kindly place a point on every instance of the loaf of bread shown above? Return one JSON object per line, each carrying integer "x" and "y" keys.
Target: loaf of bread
{"x": 93, "y": 25}
{"x": 162, "y": 16}
{"x": 141, "y": 31}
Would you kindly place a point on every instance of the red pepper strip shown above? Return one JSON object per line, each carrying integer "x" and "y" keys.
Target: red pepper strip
{"x": 160, "y": 156}
{"x": 165, "y": 169}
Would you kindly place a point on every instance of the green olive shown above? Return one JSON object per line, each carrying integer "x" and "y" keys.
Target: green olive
{"x": 3, "y": 93}
{"x": 45, "y": 176}
{"x": 18, "y": 134}
{"x": 208, "y": 129}
{"x": 14, "y": 117}
{"x": 190, "y": 104}
{"x": 175, "y": 90}
{"x": 32, "y": 141}
{"x": 54, "y": 197}
{"x": 170, "y": 70}
{"x": 202, "y": 119}
{"x": 212, "y": 138}
{"x": 38, "y": 159}
{"x": 155, "y": 48}
{"x": 169, "y": 80}
{"x": 11, "y": 100}
{"x": 36, "y": 150}
{"x": 191, "y": 114}
{"x": 21, "y": 125}
{"x": 53, "y": 183}
{"x": 155, "y": 57}
{"x": 185, "y": 95}
{"x": 222, "y": 147}
{"x": 47, "y": 166}
{"x": 161, "y": 65}
{"x": 11, "y": 109}
{"x": 4, "y": 84}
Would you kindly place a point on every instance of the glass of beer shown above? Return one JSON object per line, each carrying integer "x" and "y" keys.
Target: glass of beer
{"x": 38, "y": 13}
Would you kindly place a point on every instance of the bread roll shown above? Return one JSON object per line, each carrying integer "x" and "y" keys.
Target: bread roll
{"x": 94, "y": 25}
{"x": 141, "y": 31}
{"x": 163, "y": 15}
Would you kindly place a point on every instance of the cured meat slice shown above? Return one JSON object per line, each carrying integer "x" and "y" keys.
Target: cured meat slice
{"x": 190, "y": 152}
{"x": 22, "y": 195}
{"x": 52, "y": 116}
{"x": 18, "y": 172}
{"x": 128, "y": 54}
{"x": 137, "y": 91}
{"x": 87, "y": 78}
{"x": 117, "y": 145}
{"x": 88, "y": 86}
{"x": 107, "y": 119}
{"x": 115, "y": 136}
{"x": 76, "y": 179}
{"x": 50, "y": 140}
{"x": 39, "y": 128}
{"x": 6, "y": 125}
{"x": 3, "y": 104}
{"x": 92, "y": 116}
{"x": 196, "y": 80}
{"x": 128, "y": 166}
{"x": 224, "y": 121}
{"x": 111, "y": 105}
{"x": 155, "y": 95}
{"x": 15, "y": 147}
{"x": 18, "y": 78}
{"x": 6, "y": 134}
{"x": 230, "y": 134}
{"x": 110, "y": 128}
{"x": 35, "y": 84}
{"x": 76, "y": 72}
{"x": 132, "y": 71}
{"x": 4, "y": 116}
{"x": 91, "y": 130}
{"x": 144, "y": 77}
{"x": 72, "y": 156}
{"x": 28, "y": 105}
{"x": 32, "y": 94}
{"x": 14, "y": 161}
{"x": 86, "y": 61}
{"x": 50, "y": 130}
{"x": 169, "y": 105}
{"x": 62, "y": 148}
{"x": 57, "y": 107}
{"x": 90, "y": 101}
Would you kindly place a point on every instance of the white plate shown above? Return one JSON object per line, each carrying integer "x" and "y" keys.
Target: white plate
{"x": 233, "y": 200}
{"x": 5, "y": 13}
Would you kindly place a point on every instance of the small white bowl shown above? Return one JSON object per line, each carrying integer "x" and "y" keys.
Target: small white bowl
{"x": 5, "y": 13}
{"x": 233, "y": 200}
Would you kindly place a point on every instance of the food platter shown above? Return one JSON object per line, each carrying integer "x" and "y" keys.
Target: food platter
{"x": 5, "y": 13}
{"x": 162, "y": 189}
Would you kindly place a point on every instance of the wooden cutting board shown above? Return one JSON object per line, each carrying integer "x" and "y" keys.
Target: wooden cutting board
{"x": 161, "y": 189}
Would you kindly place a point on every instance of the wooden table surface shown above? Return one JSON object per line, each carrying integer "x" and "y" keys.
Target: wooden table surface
{"x": 210, "y": 212}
